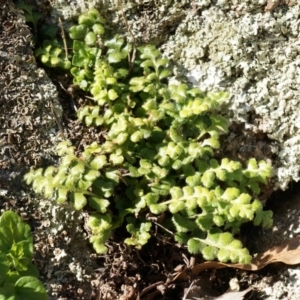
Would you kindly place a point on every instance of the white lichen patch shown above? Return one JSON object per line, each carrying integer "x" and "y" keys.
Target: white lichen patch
{"x": 238, "y": 47}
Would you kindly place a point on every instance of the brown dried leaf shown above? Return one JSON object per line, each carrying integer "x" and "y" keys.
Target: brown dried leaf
{"x": 234, "y": 295}
{"x": 288, "y": 253}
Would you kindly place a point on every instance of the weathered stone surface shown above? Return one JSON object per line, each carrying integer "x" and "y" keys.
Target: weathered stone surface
{"x": 27, "y": 101}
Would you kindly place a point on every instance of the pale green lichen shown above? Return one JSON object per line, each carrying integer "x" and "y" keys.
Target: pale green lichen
{"x": 253, "y": 54}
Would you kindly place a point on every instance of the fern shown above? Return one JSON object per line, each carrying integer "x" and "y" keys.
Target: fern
{"x": 157, "y": 155}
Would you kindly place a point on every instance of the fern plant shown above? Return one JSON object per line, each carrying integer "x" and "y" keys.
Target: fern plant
{"x": 157, "y": 155}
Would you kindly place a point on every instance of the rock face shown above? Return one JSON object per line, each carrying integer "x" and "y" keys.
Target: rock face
{"x": 27, "y": 101}
{"x": 250, "y": 49}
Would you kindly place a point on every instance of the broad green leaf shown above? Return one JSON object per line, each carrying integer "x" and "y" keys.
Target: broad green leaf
{"x": 64, "y": 148}
{"x": 29, "y": 287}
{"x": 98, "y": 162}
{"x": 79, "y": 200}
{"x": 112, "y": 94}
{"x": 115, "y": 57}
{"x": 149, "y": 52}
{"x": 205, "y": 222}
{"x": 158, "y": 208}
{"x": 209, "y": 252}
{"x": 78, "y": 32}
{"x": 176, "y": 193}
{"x": 139, "y": 236}
{"x": 91, "y": 175}
{"x": 100, "y": 222}
{"x": 98, "y": 203}
{"x": 195, "y": 246}
{"x": 134, "y": 172}
{"x": 164, "y": 74}
{"x": 218, "y": 220}
{"x": 194, "y": 180}
{"x": 147, "y": 63}
{"x": 98, "y": 29}
{"x": 90, "y": 39}
{"x": 136, "y": 136}
{"x": 20, "y": 254}
{"x": 77, "y": 169}
{"x": 12, "y": 230}
{"x": 86, "y": 20}
{"x": 8, "y": 291}
{"x": 98, "y": 245}
{"x": 208, "y": 179}
{"x": 4, "y": 266}
{"x": 231, "y": 194}
{"x": 183, "y": 224}
{"x": 137, "y": 84}
{"x": 176, "y": 206}
{"x": 61, "y": 195}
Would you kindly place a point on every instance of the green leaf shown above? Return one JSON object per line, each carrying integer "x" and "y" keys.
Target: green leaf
{"x": 12, "y": 230}
{"x": 115, "y": 57}
{"x": 221, "y": 245}
{"x": 4, "y": 267}
{"x": 157, "y": 209}
{"x": 209, "y": 252}
{"x": 137, "y": 84}
{"x": 183, "y": 224}
{"x": 100, "y": 222}
{"x": 98, "y": 244}
{"x": 20, "y": 254}
{"x": 63, "y": 148}
{"x": 86, "y": 20}
{"x": 195, "y": 180}
{"x": 231, "y": 194}
{"x": 147, "y": 63}
{"x": 77, "y": 169}
{"x": 98, "y": 203}
{"x": 208, "y": 179}
{"x": 98, "y": 162}
{"x": 79, "y": 200}
{"x": 116, "y": 160}
{"x": 112, "y": 95}
{"x": 136, "y": 136}
{"x": 91, "y": 175}
{"x": 78, "y": 32}
{"x": 139, "y": 236}
{"x": 31, "y": 16}
{"x": 149, "y": 52}
{"x": 164, "y": 74}
{"x": 176, "y": 206}
{"x": 28, "y": 287}
{"x": 61, "y": 195}
{"x": 90, "y": 39}
{"x": 195, "y": 246}
{"x": 98, "y": 29}
{"x": 205, "y": 222}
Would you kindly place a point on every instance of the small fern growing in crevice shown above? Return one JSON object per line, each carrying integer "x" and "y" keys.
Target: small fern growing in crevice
{"x": 158, "y": 153}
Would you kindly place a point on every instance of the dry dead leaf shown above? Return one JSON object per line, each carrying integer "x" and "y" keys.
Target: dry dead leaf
{"x": 234, "y": 295}
{"x": 288, "y": 253}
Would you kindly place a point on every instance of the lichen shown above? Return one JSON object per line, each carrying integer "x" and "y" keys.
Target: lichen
{"x": 253, "y": 54}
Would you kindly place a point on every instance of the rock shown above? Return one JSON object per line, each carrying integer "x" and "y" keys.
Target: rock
{"x": 27, "y": 100}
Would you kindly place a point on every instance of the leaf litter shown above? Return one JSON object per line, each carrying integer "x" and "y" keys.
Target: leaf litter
{"x": 288, "y": 253}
